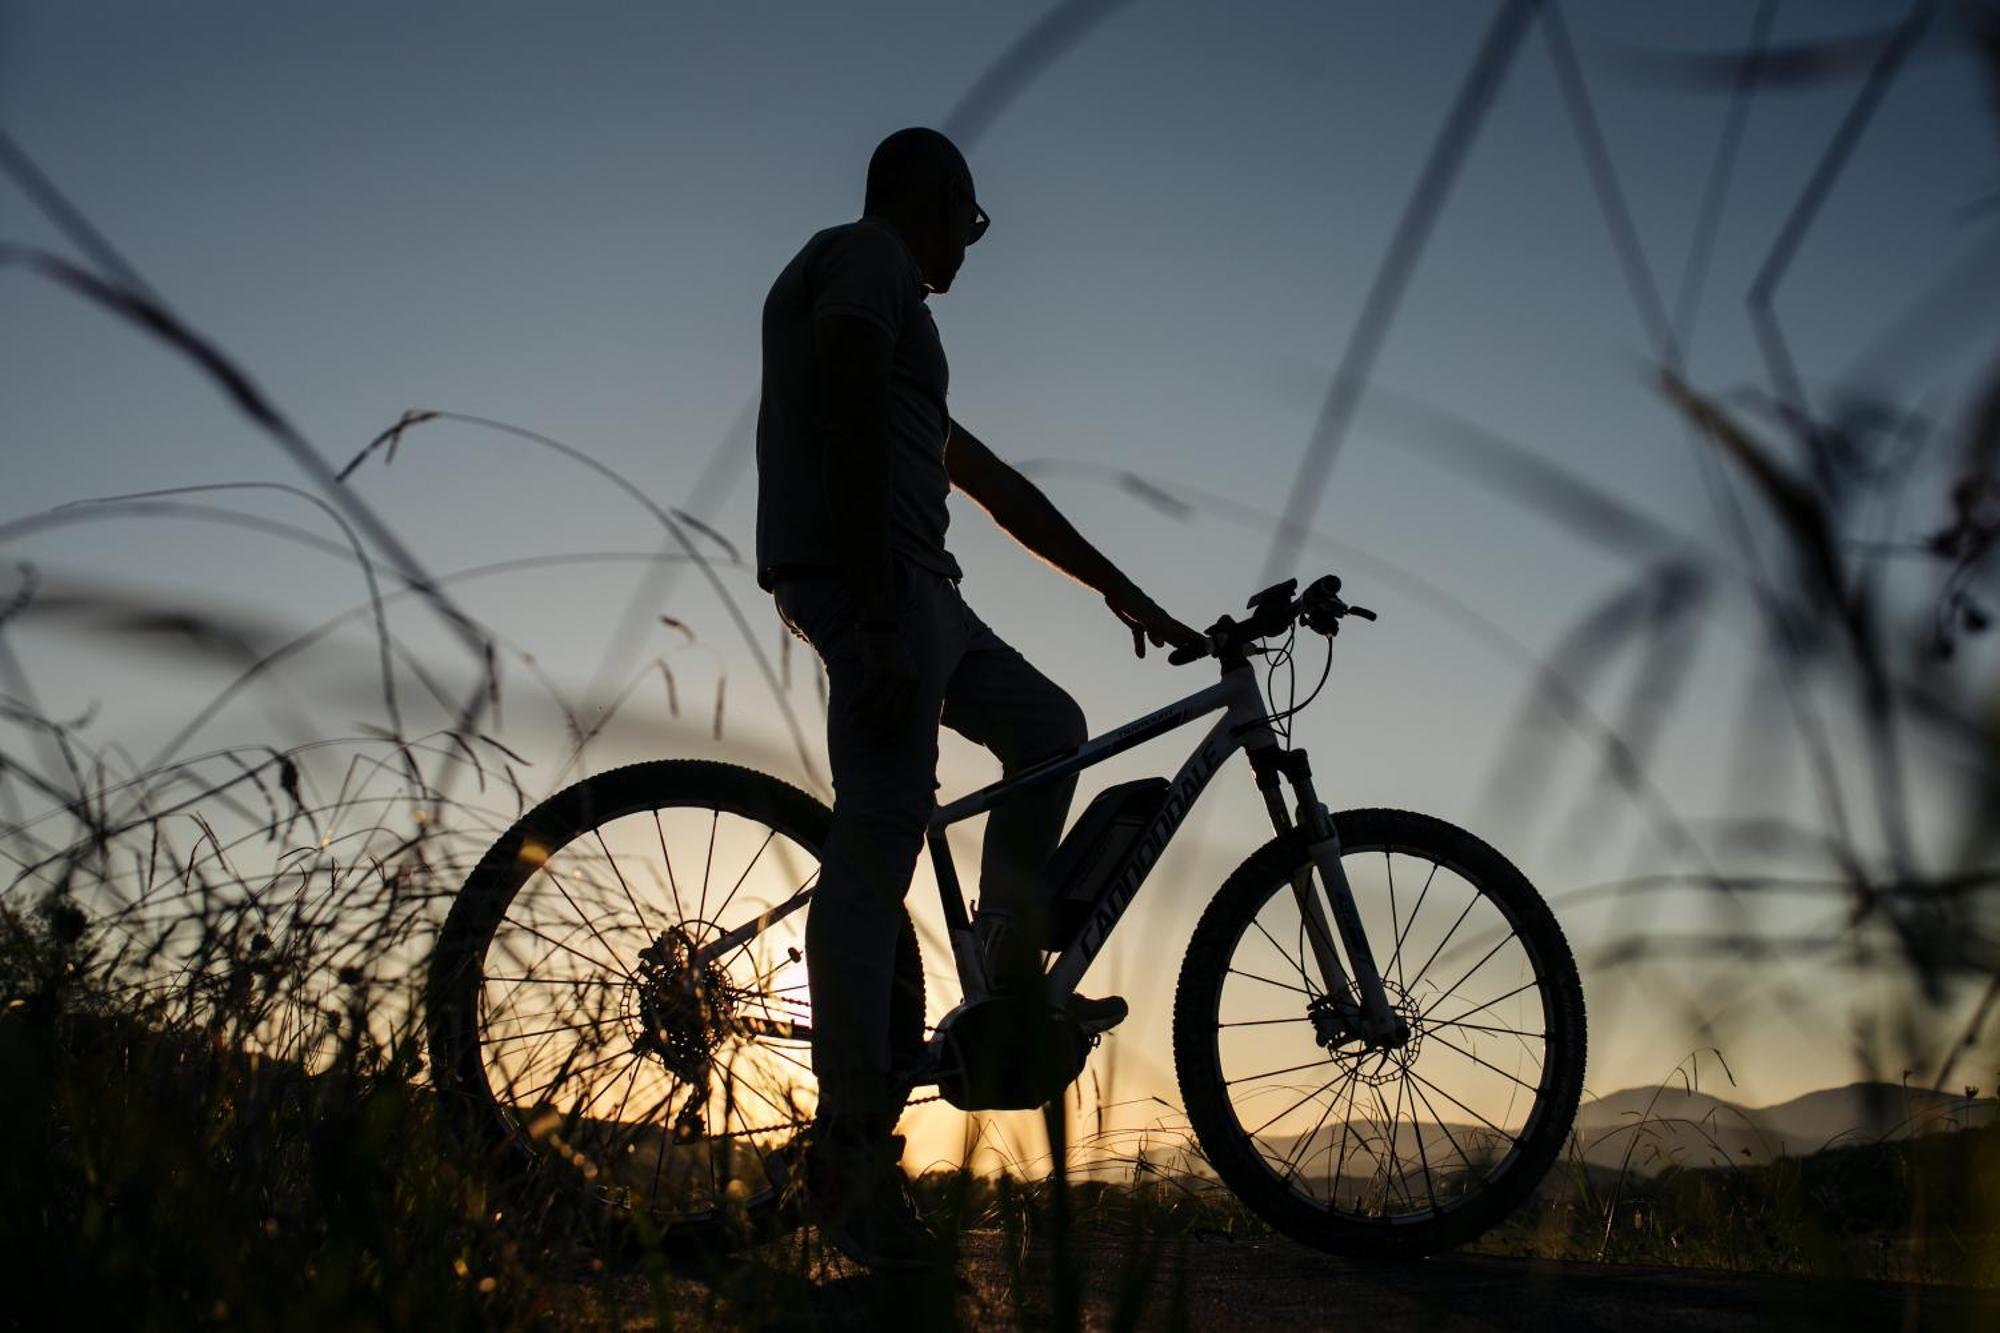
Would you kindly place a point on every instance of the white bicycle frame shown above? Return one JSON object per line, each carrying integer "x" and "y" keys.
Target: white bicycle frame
{"x": 1354, "y": 991}
{"x": 1245, "y": 724}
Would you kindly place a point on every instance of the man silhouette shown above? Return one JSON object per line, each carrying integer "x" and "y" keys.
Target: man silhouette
{"x": 856, "y": 453}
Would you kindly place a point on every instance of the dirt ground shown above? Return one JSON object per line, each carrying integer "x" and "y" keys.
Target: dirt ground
{"x": 1216, "y": 1284}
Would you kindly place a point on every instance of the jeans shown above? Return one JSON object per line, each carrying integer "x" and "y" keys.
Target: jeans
{"x": 884, "y": 792}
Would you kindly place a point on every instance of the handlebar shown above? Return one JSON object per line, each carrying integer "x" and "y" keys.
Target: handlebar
{"x": 1273, "y": 611}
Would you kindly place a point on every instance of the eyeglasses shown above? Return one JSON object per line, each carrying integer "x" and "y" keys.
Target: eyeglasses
{"x": 980, "y": 222}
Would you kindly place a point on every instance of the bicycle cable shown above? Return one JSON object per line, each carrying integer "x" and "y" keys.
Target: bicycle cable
{"x": 1281, "y": 719}
{"x": 1281, "y": 656}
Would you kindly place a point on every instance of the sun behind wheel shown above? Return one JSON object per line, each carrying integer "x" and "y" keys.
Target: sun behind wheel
{"x": 1361, "y": 1147}
{"x": 618, "y": 999}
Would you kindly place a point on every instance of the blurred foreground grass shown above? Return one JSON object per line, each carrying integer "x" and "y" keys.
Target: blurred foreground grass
{"x": 166, "y": 1173}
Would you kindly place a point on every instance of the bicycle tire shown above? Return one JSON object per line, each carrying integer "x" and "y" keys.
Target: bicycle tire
{"x": 460, "y": 1013}
{"x": 1243, "y": 1157}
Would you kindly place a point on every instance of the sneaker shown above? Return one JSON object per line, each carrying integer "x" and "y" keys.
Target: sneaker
{"x": 1014, "y": 969}
{"x": 1099, "y": 1015}
{"x": 853, "y": 1190}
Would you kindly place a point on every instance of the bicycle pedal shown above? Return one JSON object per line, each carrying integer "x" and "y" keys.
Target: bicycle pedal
{"x": 1099, "y": 1017}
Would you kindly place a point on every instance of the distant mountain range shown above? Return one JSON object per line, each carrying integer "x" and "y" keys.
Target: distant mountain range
{"x": 1671, "y": 1126}
{"x": 1646, "y": 1130}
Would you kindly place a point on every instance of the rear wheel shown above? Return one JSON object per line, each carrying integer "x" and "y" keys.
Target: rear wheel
{"x": 1358, "y": 1147}
{"x": 618, "y": 1001}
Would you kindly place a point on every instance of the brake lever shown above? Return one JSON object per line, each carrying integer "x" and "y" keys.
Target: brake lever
{"x": 1362, "y": 611}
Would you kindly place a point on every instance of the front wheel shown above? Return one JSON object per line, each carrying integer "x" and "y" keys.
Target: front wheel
{"x": 1350, "y": 1145}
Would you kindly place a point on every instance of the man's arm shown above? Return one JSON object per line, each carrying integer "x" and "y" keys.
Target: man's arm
{"x": 1027, "y": 516}
{"x": 854, "y": 358}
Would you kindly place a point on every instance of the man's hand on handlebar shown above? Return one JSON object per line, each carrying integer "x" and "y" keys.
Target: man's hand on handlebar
{"x": 1274, "y": 610}
{"x": 1143, "y": 616}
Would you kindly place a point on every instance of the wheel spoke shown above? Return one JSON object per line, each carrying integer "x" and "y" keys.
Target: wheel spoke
{"x": 1470, "y": 904}
{"x": 1511, "y": 1138}
{"x": 1268, "y": 982}
{"x": 637, "y": 915}
{"x": 560, "y": 1027}
{"x": 708, "y": 865}
{"x": 1423, "y": 1153}
{"x": 680, "y": 912}
{"x": 1391, "y": 1172}
{"x": 1346, "y": 1131}
{"x": 1448, "y": 1022}
{"x": 1298, "y": 965}
{"x": 1488, "y": 1064}
{"x": 1273, "y": 1073}
{"x": 588, "y": 919}
{"x": 1442, "y": 1124}
{"x": 1453, "y": 988}
{"x": 1483, "y": 1027}
{"x": 1410, "y": 925}
{"x": 719, "y": 911}
{"x": 1297, "y": 1153}
{"x": 565, "y": 1074}
{"x": 599, "y": 963}
{"x": 1294, "y": 1106}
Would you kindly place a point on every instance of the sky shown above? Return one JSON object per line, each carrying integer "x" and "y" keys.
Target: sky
{"x": 566, "y": 217}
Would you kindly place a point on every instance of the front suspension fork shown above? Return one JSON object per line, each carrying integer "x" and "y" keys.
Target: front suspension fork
{"x": 1373, "y": 1019}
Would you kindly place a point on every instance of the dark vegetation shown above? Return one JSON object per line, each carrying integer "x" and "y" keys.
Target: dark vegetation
{"x": 1925, "y": 1210}
{"x": 165, "y": 1172}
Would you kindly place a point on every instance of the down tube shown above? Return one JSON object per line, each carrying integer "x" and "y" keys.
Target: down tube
{"x": 1215, "y": 748}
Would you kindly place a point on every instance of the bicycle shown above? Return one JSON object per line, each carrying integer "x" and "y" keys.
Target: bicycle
{"x": 661, "y": 1056}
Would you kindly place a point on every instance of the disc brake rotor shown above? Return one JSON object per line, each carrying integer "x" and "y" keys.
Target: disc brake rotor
{"x": 1337, "y": 1028}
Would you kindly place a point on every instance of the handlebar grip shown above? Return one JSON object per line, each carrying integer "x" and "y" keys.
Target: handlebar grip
{"x": 1362, "y": 612}
{"x": 1183, "y": 656}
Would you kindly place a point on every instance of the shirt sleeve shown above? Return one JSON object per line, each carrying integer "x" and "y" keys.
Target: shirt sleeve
{"x": 865, "y": 273}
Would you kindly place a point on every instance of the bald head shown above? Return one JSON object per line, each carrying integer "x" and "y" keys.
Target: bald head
{"x": 910, "y": 169}
{"x": 919, "y": 184}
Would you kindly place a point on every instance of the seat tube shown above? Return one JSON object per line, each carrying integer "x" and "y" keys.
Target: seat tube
{"x": 972, "y": 979}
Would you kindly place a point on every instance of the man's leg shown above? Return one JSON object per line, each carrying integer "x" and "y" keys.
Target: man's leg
{"x": 998, "y": 699}
{"x": 884, "y": 791}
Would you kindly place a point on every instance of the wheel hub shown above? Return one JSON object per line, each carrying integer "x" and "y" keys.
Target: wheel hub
{"x": 677, "y": 1007}
{"x": 1341, "y": 1030}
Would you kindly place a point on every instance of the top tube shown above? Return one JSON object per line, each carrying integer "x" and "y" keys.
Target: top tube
{"x": 1157, "y": 723}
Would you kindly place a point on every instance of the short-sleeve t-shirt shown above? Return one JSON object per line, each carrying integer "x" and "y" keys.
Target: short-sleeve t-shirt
{"x": 860, "y": 269}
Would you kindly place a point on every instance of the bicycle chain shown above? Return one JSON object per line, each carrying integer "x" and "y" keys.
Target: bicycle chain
{"x": 804, "y": 1124}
